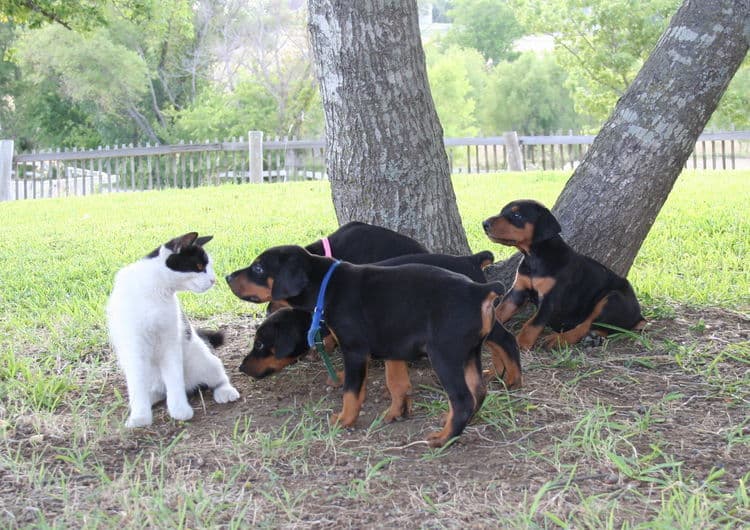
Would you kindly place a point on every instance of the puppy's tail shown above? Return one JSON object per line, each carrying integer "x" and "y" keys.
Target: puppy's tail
{"x": 483, "y": 259}
{"x": 214, "y": 338}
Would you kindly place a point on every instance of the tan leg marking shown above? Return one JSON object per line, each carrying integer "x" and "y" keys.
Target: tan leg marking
{"x": 476, "y": 385}
{"x": 439, "y": 438}
{"x": 574, "y": 335}
{"x": 352, "y": 405}
{"x": 503, "y": 364}
{"x": 528, "y": 335}
{"x": 399, "y": 387}
{"x": 488, "y": 314}
{"x": 507, "y": 307}
{"x": 505, "y": 310}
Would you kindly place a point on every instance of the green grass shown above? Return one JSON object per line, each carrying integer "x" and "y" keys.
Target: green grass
{"x": 61, "y": 407}
{"x": 58, "y": 256}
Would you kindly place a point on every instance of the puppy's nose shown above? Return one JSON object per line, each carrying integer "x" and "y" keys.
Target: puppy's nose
{"x": 486, "y": 225}
{"x": 229, "y": 277}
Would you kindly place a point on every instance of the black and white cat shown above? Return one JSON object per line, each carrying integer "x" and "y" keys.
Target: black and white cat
{"x": 157, "y": 347}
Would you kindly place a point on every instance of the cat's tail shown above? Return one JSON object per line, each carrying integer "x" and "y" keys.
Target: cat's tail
{"x": 214, "y": 338}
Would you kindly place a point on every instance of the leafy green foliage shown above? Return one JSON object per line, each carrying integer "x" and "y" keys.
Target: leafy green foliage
{"x": 488, "y": 26}
{"x": 733, "y": 107}
{"x": 605, "y": 42}
{"x": 527, "y": 95}
{"x": 77, "y": 85}
{"x": 457, "y": 78}
{"x": 89, "y": 69}
{"x": 82, "y": 15}
{"x": 226, "y": 114}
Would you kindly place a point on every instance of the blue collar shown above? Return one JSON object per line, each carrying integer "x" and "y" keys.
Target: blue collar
{"x": 318, "y": 312}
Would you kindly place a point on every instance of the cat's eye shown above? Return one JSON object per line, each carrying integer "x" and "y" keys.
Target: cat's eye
{"x": 201, "y": 267}
{"x": 257, "y": 268}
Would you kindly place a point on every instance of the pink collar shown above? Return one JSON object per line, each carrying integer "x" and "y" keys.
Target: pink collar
{"x": 326, "y": 247}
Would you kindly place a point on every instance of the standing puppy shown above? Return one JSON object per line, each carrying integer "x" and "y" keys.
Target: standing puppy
{"x": 157, "y": 347}
{"x": 572, "y": 292}
{"x": 391, "y": 313}
{"x": 359, "y": 243}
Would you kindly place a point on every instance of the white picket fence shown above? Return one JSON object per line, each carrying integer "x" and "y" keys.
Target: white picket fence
{"x": 59, "y": 173}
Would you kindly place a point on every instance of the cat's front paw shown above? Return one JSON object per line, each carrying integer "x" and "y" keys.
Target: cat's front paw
{"x": 181, "y": 412}
{"x": 225, "y": 393}
{"x": 138, "y": 421}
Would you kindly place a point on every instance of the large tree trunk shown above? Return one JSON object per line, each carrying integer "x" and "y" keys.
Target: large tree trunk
{"x": 385, "y": 155}
{"x": 611, "y": 201}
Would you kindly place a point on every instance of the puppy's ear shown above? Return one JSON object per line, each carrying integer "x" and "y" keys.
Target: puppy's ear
{"x": 291, "y": 279}
{"x": 285, "y": 344}
{"x": 546, "y": 226}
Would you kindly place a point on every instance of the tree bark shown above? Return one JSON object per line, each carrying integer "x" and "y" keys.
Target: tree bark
{"x": 612, "y": 199}
{"x": 385, "y": 155}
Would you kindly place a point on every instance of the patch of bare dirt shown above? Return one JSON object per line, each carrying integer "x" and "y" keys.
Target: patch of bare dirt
{"x": 671, "y": 398}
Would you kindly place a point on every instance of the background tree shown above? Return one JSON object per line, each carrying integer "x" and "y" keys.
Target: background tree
{"x": 385, "y": 155}
{"x": 97, "y": 77}
{"x": 120, "y": 76}
{"x": 458, "y": 79}
{"x": 79, "y": 14}
{"x": 528, "y": 95}
{"x": 734, "y": 108}
{"x": 611, "y": 201}
{"x": 602, "y": 44}
{"x": 488, "y": 26}
{"x": 262, "y": 43}
{"x": 183, "y": 71}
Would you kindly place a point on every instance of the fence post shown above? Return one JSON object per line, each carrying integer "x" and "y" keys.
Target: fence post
{"x": 513, "y": 148}
{"x": 6, "y": 168}
{"x": 255, "y": 155}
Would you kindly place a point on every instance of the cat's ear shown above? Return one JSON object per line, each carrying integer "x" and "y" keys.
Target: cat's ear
{"x": 203, "y": 240}
{"x": 181, "y": 242}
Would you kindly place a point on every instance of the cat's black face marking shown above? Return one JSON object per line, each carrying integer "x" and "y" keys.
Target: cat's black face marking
{"x": 189, "y": 259}
{"x": 188, "y": 256}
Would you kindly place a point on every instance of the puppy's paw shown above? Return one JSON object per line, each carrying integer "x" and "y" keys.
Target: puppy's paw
{"x": 437, "y": 439}
{"x": 225, "y": 393}
{"x": 398, "y": 410}
{"x": 341, "y": 420}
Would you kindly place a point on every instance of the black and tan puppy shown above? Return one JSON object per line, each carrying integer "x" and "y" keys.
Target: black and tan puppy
{"x": 281, "y": 339}
{"x": 572, "y": 292}
{"x": 360, "y": 243}
{"x": 392, "y": 313}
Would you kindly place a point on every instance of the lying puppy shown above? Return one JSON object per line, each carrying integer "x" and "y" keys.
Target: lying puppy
{"x": 392, "y": 313}
{"x": 281, "y": 339}
{"x": 572, "y": 292}
{"x": 360, "y": 243}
